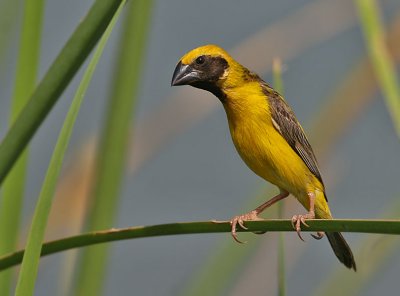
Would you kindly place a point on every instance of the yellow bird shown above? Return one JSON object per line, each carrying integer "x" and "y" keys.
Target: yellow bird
{"x": 266, "y": 134}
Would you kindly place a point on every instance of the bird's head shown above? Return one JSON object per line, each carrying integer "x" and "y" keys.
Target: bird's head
{"x": 207, "y": 67}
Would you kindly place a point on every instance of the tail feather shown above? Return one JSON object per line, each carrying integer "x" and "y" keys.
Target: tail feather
{"x": 341, "y": 249}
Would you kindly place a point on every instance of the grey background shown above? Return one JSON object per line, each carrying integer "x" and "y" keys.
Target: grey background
{"x": 198, "y": 174}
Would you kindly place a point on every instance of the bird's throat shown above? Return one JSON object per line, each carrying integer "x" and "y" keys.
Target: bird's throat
{"x": 212, "y": 88}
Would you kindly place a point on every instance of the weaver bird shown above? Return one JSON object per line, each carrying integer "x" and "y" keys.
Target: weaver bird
{"x": 266, "y": 134}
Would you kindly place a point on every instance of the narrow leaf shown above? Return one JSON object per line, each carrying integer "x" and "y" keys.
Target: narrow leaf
{"x": 13, "y": 190}
{"x": 278, "y": 84}
{"x": 111, "y": 158}
{"x": 382, "y": 62}
{"x": 27, "y": 276}
{"x": 98, "y": 237}
{"x": 55, "y": 81}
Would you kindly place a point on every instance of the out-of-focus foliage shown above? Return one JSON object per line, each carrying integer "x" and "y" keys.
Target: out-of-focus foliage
{"x": 181, "y": 165}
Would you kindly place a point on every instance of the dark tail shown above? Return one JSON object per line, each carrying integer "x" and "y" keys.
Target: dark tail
{"x": 341, "y": 249}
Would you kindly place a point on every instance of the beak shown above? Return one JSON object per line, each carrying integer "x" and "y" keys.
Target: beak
{"x": 184, "y": 74}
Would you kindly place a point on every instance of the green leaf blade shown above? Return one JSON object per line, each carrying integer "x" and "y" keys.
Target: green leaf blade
{"x": 111, "y": 158}
{"x": 382, "y": 62}
{"x": 13, "y": 190}
{"x": 55, "y": 81}
{"x": 30, "y": 262}
{"x": 278, "y": 85}
{"x": 374, "y": 226}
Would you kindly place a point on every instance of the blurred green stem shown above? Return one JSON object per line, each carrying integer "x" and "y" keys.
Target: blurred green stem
{"x": 278, "y": 85}
{"x": 30, "y": 262}
{"x": 111, "y": 158}
{"x": 98, "y": 237}
{"x": 57, "y": 78}
{"x": 13, "y": 190}
{"x": 382, "y": 62}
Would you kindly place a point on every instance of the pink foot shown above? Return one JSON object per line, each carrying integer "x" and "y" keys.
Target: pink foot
{"x": 297, "y": 220}
{"x": 239, "y": 220}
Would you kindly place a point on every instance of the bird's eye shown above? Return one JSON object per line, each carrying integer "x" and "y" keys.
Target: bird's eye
{"x": 200, "y": 60}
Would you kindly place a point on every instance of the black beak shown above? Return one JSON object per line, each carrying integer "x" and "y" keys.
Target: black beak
{"x": 184, "y": 74}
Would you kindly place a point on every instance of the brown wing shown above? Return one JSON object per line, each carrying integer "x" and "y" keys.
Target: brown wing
{"x": 285, "y": 122}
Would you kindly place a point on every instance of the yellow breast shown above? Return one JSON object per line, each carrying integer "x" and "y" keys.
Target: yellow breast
{"x": 261, "y": 146}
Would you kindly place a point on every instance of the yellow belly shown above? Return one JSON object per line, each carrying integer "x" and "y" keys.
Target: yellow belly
{"x": 268, "y": 155}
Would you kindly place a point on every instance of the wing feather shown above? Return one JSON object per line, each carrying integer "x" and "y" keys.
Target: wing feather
{"x": 285, "y": 122}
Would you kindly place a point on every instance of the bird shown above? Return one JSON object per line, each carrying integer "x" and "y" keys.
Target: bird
{"x": 267, "y": 136}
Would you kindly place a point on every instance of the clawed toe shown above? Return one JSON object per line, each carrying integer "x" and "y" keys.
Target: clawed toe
{"x": 319, "y": 235}
{"x": 239, "y": 220}
{"x": 217, "y": 221}
{"x": 297, "y": 220}
{"x": 259, "y": 232}
{"x": 234, "y": 222}
{"x": 296, "y": 223}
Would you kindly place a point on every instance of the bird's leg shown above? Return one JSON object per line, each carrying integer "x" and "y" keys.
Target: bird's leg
{"x": 297, "y": 220}
{"x": 253, "y": 215}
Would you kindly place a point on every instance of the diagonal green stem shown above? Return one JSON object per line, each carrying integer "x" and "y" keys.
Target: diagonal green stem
{"x": 13, "y": 190}
{"x": 382, "y": 62}
{"x": 111, "y": 159}
{"x": 98, "y": 237}
{"x": 55, "y": 81}
{"x": 30, "y": 262}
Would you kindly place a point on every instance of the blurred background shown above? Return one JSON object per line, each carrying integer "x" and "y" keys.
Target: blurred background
{"x": 181, "y": 164}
